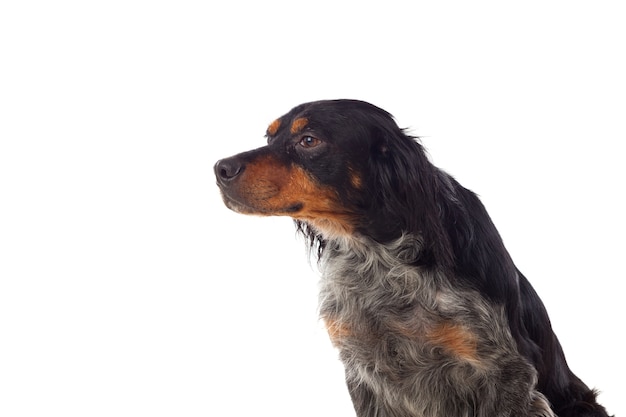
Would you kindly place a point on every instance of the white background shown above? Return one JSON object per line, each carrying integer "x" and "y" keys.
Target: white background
{"x": 128, "y": 289}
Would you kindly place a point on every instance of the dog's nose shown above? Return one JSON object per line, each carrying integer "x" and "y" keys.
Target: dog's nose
{"x": 227, "y": 169}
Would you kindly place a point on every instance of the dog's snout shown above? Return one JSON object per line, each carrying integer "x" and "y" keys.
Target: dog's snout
{"x": 228, "y": 169}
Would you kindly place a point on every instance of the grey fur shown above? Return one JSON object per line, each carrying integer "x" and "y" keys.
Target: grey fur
{"x": 381, "y": 309}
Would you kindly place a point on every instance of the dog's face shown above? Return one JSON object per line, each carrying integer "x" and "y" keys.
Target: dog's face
{"x": 314, "y": 167}
{"x": 339, "y": 166}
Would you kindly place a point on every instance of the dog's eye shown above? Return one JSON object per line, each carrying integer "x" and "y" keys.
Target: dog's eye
{"x": 309, "y": 142}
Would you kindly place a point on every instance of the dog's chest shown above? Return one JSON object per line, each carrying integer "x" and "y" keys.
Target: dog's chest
{"x": 378, "y": 318}
{"x": 376, "y": 304}
{"x": 388, "y": 317}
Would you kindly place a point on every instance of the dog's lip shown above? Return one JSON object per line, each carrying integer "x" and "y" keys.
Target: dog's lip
{"x": 236, "y": 205}
{"x": 243, "y": 208}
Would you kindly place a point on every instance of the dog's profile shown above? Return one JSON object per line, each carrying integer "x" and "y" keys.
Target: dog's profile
{"x": 419, "y": 295}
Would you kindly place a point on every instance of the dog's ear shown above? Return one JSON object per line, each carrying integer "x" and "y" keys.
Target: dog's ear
{"x": 405, "y": 188}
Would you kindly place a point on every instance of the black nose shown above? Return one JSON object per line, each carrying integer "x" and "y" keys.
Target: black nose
{"x": 227, "y": 170}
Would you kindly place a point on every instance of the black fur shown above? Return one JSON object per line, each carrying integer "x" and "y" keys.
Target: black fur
{"x": 390, "y": 202}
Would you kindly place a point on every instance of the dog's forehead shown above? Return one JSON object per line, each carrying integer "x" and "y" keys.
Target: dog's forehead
{"x": 294, "y": 126}
{"x": 294, "y": 123}
{"x": 325, "y": 117}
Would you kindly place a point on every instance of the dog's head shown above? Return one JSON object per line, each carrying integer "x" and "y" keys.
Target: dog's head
{"x": 340, "y": 167}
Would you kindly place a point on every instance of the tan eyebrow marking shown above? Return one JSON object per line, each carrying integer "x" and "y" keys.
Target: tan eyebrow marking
{"x": 298, "y": 124}
{"x": 273, "y": 127}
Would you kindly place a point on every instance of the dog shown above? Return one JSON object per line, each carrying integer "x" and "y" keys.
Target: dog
{"x": 429, "y": 313}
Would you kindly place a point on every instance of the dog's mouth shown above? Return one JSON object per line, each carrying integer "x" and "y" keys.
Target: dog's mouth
{"x": 325, "y": 220}
{"x": 243, "y": 206}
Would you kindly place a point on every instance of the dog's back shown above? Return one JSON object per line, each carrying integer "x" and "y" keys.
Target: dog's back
{"x": 566, "y": 392}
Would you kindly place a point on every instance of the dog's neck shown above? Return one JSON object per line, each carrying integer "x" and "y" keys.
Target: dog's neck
{"x": 360, "y": 264}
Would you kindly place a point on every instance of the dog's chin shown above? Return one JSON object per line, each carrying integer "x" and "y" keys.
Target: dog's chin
{"x": 247, "y": 208}
{"x": 237, "y": 207}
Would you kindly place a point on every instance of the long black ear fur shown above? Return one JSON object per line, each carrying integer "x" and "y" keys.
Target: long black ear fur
{"x": 405, "y": 186}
